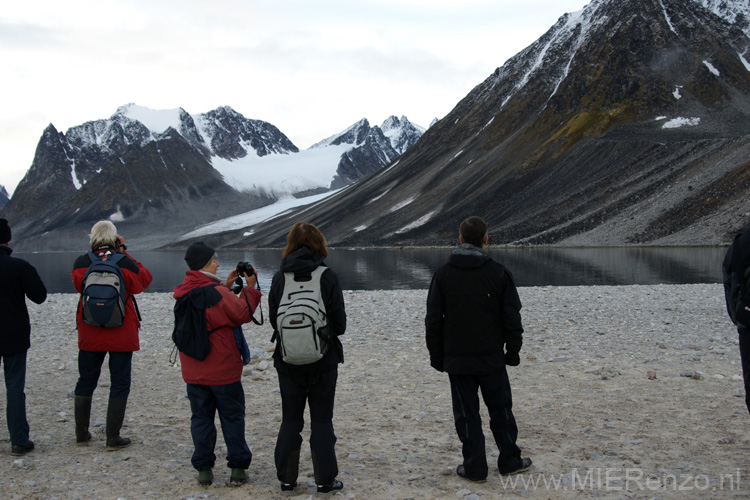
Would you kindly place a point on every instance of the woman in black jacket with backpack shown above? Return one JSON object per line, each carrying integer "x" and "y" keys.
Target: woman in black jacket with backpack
{"x": 314, "y": 383}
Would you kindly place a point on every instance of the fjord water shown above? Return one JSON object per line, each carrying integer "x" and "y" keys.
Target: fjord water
{"x": 412, "y": 268}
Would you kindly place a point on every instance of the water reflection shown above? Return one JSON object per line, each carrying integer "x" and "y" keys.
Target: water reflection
{"x": 412, "y": 268}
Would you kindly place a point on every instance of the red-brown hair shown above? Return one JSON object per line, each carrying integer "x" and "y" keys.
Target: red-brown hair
{"x": 303, "y": 234}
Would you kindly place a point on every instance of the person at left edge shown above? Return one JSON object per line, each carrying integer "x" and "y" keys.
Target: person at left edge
{"x": 215, "y": 384}
{"x": 18, "y": 280}
{"x": 94, "y": 343}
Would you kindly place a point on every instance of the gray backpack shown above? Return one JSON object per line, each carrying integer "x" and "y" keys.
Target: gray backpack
{"x": 301, "y": 320}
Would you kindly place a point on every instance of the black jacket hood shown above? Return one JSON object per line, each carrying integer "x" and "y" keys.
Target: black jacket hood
{"x": 467, "y": 256}
{"x": 301, "y": 260}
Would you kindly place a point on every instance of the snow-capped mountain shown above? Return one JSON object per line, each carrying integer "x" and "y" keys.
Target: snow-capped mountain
{"x": 141, "y": 165}
{"x": 371, "y": 148}
{"x": 627, "y": 122}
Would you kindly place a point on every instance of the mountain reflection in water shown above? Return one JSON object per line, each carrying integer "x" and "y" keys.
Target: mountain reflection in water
{"x": 412, "y": 268}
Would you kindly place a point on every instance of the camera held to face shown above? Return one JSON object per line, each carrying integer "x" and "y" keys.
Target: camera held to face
{"x": 242, "y": 269}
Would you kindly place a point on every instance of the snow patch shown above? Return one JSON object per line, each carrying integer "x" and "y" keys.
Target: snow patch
{"x": 676, "y": 92}
{"x": 711, "y": 68}
{"x": 666, "y": 16}
{"x": 682, "y": 122}
{"x": 744, "y": 61}
{"x": 379, "y": 196}
{"x": 255, "y": 216}
{"x": 401, "y": 205}
{"x": 458, "y": 154}
{"x": 419, "y": 222}
{"x": 359, "y": 228}
{"x": 76, "y": 183}
{"x": 660, "y": 118}
{"x": 394, "y": 164}
{"x": 117, "y": 216}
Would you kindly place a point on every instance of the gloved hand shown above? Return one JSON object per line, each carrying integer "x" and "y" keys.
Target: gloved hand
{"x": 512, "y": 357}
{"x": 437, "y": 364}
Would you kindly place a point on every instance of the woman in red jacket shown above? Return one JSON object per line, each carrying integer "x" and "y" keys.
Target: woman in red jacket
{"x": 95, "y": 342}
{"x": 214, "y": 383}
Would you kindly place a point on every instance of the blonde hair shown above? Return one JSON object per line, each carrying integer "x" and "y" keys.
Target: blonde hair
{"x": 104, "y": 232}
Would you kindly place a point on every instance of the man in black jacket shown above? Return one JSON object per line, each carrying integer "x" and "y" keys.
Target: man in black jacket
{"x": 18, "y": 280}
{"x": 473, "y": 330}
{"x": 736, "y": 274}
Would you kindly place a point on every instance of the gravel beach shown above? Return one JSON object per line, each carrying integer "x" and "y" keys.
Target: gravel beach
{"x": 622, "y": 392}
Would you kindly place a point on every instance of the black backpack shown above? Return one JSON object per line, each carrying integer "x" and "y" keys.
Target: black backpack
{"x": 103, "y": 293}
{"x": 190, "y": 334}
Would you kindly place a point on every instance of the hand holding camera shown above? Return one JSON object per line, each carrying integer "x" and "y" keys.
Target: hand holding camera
{"x": 251, "y": 276}
{"x": 120, "y": 243}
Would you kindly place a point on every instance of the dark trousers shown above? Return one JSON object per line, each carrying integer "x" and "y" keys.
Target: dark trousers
{"x": 745, "y": 357}
{"x": 230, "y": 401}
{"x": 319, "y": 394}
{"x": 496, "y": 394}
{"x": 14, "y": 367}
{"x": 90, "y": 368}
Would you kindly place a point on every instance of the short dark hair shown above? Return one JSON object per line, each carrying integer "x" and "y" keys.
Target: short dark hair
{"x": 473, "y": 230}
{"x": 304, "y": 234}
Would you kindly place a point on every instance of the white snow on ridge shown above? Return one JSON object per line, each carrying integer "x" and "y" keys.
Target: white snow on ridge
{"x": 682, "y": 122}
{"x": 157, "y": 121}
{"x": 255, "y": 216}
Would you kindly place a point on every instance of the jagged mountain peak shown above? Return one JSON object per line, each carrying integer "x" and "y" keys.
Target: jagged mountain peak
{"x": 401, "y": 133}
{"x": 354, "y": 135}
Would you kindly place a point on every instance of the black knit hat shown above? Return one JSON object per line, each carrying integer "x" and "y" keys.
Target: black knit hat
{"x": 198, "y": 255}
{"x": 4, "y": 231}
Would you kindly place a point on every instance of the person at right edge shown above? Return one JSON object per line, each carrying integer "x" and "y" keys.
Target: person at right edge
{"x": 473, "y": 331}
{"x": 736, "y": 274}
{"x": 315, "y": 383}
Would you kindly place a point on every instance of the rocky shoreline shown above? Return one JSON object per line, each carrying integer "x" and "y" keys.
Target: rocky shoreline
{"x": 622, "y": 392}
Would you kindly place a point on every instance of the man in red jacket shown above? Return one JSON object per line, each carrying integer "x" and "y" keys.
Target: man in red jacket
{"x": 94, "y": 343}
{"x": 214, "y": 383}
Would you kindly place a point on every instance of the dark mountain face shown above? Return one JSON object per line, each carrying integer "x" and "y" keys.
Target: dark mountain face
{"x": 3, "y": 196}
{"x": 625, "y": 123}
{"x": 229, "y": 129}
{"x": 371, "y": 154}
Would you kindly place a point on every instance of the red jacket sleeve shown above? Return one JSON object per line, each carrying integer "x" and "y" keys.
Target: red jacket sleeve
{"x": 233, "y": 310}
{"x": 135, "y": 283}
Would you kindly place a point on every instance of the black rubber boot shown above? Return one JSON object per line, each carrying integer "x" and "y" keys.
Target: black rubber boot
{"x": 82, "y": 409}
{"x": 115, "y": 418}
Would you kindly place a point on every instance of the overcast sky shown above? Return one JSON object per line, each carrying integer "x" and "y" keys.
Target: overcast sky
{"x": 309, "y": 67}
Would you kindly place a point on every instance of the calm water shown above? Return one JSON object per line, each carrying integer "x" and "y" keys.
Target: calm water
{"x": 394, "y": 269}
